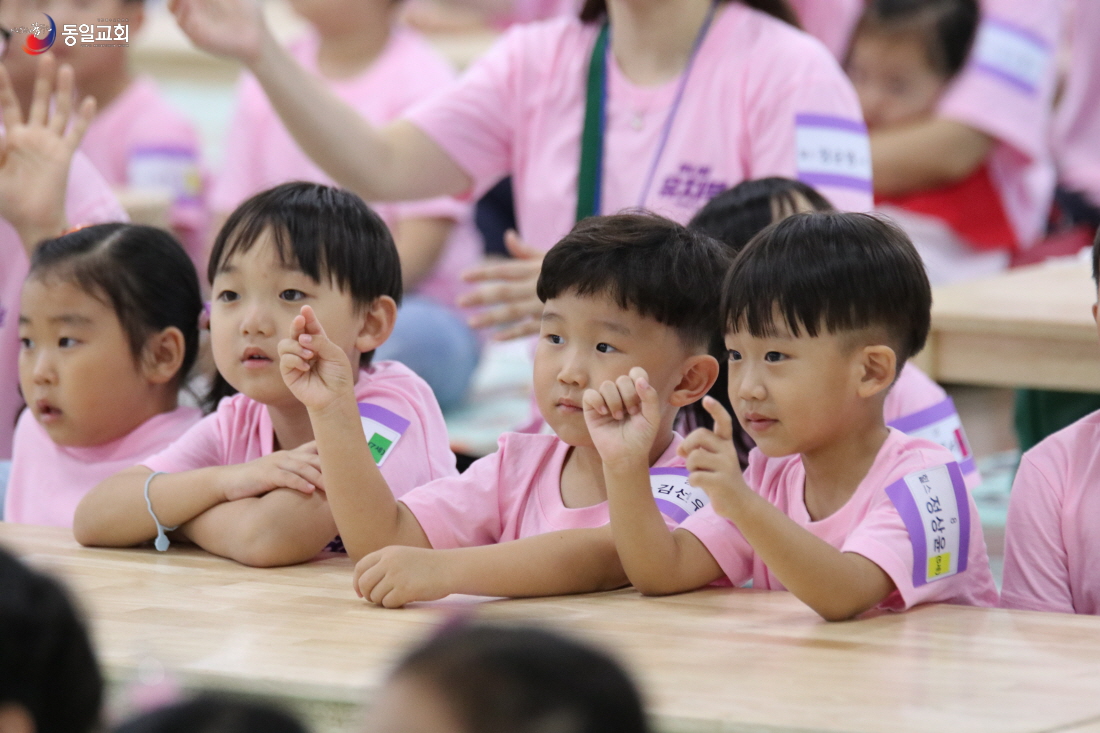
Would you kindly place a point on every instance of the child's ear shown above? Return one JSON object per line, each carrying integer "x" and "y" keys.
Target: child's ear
{"x": 879, "y": 366}
{"x": 697, "y": 377}
{"x": 376, "y": 324}
{"x": 163, "y": 355}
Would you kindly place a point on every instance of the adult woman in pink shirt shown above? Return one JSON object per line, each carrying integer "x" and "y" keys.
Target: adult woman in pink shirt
{"x": 688, "y": 98}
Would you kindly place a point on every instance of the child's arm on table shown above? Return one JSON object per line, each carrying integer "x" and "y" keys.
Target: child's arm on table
{"x": 838, "y": 585}
{"x": 114, "y": 513}
{"x": 556, "y": 563}
{"x": 319, "y": 375}
{"x": 35, "y": 154}
{"x": 623, "y": 419}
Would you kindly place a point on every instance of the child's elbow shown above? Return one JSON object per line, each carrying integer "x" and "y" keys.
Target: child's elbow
{"x": 655, "y": 587}
{"x": 841, "y": 610}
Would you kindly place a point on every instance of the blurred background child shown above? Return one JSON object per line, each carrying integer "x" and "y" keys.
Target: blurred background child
{"x": 49, "y": 678}
{"x": 915, "y": 404}
{"x": 380, "y": 69}
{"x": 213, "y": 714}
{"x": 108, "y": 326}
{"x": 243, "y": 481}
{"x": 483, "y": 678}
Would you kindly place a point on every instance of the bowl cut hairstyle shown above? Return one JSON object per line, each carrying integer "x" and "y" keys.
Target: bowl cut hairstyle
{"x": 643, "y": 263}
{"x": 831, "y": 273}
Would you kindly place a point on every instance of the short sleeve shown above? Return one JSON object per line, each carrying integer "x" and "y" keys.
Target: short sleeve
{"x": 474, "y": 121}
{"x": 1036, "y": 570}
{"x": 724, "y": 542}
{"x": 461, "y": 511}
{"x": 199, "y": 447}
{"x": 89, "y": 199}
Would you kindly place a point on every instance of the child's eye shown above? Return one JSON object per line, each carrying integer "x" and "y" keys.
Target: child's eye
{"x": 605, "y": 348}
{"x": 733, "y": 355}
{"x": 292, "y": 294}
{"x": 227, "y": 296}
{"x": 26, "y": 343}
{"x": 774, "y": 356}
{"x": 66, "y": 342}
{"x": 554, "y": 338}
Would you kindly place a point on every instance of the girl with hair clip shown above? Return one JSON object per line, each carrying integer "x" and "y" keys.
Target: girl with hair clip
{"x": 108, "y": 331}
{"x": 657, "y": 105}
{"x": 915, "y": 404}
{"x": 244, "y": 482}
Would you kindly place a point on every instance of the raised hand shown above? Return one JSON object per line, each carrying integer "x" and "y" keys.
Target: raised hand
{"x": 508, "y": 291}
{"x": 712, "y": 460}
{"x": 35, "y": 154}
{"x": 623, "y": 418}
{"x": 233, "y": 28}
{"x": 316, "y": 370}
{"x": 298, "y": 469}
{"x": 397, "y": 575}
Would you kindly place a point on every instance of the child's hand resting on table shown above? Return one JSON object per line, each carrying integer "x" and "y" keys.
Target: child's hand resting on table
{"x": 623, "y": 418}
{"x": 316, "y": 370}
{"x": 712, "y": 460}
{"x": 298, "y": 469}
{"x": 396, "y": 575}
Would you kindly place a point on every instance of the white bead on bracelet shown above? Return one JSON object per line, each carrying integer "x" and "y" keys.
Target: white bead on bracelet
{"x": 161, "y": 542}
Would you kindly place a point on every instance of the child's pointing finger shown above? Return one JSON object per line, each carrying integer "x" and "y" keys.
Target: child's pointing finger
{"x": 723, "y": 423}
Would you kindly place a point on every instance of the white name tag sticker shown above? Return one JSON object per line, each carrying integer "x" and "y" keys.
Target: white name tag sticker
{"x": 382, "y": 428}
{"x": 1013, "y": 54}
{"x": 941, "y": 424}
{"x": 675, "y": 497}
{"x": 175, "y": 170}
{"x": 833, "y": 151}
{"x": 933, "y": 504}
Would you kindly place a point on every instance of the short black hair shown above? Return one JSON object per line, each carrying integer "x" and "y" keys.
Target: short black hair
{"x": 140, "y": 272}
{"x": 1096, "y": 258}
{"x": 831, "y": 272}
{"x": 47, "y": 664}
{"x": 645, "y": 263}
{"x": 736, "y": 215}
{"x": 210, "y": 713}
{"x": 326, "y": 232}
{"x": 947, "y": 27}
{"x": 502, "y": 679}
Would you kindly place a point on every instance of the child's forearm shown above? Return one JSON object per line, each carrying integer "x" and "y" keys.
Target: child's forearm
{"x": 838, "y": 585}
{"x": 114, "y": 513}
{"x": 362, "y": 504}
{"x": 654, "y": 559}
{"x": 558, "y": 563}
{"x": 282, "y": 527}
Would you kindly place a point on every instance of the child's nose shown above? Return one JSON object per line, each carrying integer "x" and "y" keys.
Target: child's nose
{"x": 45, "y": 371}
{"x": 256, "y": 321}
{"x": 572, "y": 371}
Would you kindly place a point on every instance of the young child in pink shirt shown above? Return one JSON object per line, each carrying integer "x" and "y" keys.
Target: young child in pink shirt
{"x": 914, "y": 405}
{"x": 109, "y": 329}
{"x": 531, "y": 519}
{"x": 381, "y": 69}
{"x": 1051, "y": 537}
{"x": 246, "y": 482}
{"x": 137, "y": 139}
{"x": 46, "y": 186}
{"x": 836, "y": 507}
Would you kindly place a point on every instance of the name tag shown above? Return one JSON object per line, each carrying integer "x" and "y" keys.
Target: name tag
{"x": 675, "y": 497}
{"x": 933, "y": 504}
{"x": 1015, "y": 55}
{"x": 174, "y": 170}
{"x": 382, "y": 428}
{"x": 941, "y": 424}
{"x": 833, "y": 151}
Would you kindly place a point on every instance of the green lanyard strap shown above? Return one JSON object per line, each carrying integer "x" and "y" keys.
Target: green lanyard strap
{"x": 590, "y": 178}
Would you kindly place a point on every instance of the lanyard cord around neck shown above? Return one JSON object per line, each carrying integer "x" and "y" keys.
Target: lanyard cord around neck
{"x": 590, "y": 177}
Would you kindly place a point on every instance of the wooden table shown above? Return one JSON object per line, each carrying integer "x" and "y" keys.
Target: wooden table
{"x": 714, "y": 660}
{"x": 1030, "y": 327}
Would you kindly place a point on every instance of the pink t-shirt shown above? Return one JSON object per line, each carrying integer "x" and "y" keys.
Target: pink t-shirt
{"x": 1052, "y": 537}
{"x": 48, "y": 480}
{"x": 399, "y": 413}
{"x": 89, "y": 201}
{"x": 1006, "y": 90}
{"x": 911, "y": 515}
{"x": 528, "y": 11}
{"x": 141, "y": 141}
{"x": 516, "y": 492}
{"x": 831, "y": 21}
{"x": 919, "y": 407}
{"x": 1077, "y": 121}
{"x": 762, "y": 99}
{"x": 261, "y": 153}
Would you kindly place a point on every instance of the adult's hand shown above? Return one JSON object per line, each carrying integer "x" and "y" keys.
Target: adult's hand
{"x": 507, "y": 292}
